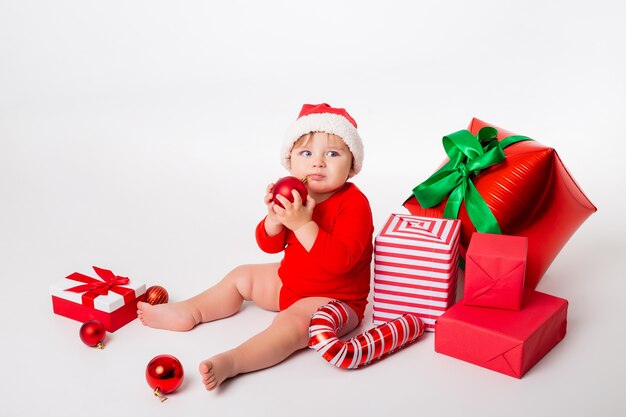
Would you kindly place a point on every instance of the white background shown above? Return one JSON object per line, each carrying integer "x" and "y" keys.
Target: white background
{"x": 140, "y": 135}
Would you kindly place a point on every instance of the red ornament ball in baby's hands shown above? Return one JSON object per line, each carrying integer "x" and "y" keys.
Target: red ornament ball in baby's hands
{"x": 284, "y": 186}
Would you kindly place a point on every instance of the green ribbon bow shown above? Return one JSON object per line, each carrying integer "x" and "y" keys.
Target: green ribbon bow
{"x": 468, "y": 155}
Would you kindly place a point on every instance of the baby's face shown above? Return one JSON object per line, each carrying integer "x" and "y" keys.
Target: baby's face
{"x": 325, "y": 160}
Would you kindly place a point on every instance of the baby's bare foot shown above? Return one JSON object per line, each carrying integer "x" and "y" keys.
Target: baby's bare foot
{"x": 176, "y": 316}
{"x": 215, "y": 370}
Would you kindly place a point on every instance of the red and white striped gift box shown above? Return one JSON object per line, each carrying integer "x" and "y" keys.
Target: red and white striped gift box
{"x": 415, "y": 268}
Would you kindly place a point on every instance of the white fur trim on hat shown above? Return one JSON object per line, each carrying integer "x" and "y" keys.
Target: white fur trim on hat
{"x": 324, "y": 122}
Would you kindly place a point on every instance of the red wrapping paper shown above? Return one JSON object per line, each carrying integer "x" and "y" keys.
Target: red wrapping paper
{"x": 531, "y": 194}
{"x": 506, "y": 341}
{"x": 495, "y": 266}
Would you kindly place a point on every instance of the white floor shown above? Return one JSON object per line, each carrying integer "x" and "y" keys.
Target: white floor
{"x": 139, "y": 137}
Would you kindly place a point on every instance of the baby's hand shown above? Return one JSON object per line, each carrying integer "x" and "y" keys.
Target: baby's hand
{"x": 268, "y": 194}
{"x": 273, "y": 225}
{"x": 295, "y": 214}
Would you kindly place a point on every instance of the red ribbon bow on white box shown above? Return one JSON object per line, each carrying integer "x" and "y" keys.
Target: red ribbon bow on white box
{"x": 93, "y": 287}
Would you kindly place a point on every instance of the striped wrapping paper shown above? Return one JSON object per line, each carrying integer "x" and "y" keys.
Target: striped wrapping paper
{"x": 415, "y": 268}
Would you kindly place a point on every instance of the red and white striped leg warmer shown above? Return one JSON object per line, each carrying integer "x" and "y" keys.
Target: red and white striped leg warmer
{"x": 364, "y": 348}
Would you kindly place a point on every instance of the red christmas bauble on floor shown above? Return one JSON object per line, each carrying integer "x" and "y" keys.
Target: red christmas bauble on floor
{"x": 164, "y": 374}
{"x": 92, "y": 333}
{"x": 284, "y": 186}
{"x": 156, "y": 295}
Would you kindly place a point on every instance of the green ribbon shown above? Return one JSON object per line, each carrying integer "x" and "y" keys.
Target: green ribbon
{"x": 468, "y": 155}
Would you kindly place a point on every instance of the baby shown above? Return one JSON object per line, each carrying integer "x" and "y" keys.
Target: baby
{"x": 327, "y": 244}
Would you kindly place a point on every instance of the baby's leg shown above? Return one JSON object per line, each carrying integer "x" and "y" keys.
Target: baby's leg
{"x": 247, "y": 282}
{"x": 288, "y": 333}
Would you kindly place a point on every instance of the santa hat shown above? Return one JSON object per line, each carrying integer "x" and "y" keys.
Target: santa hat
{"x": 324, "y": 118}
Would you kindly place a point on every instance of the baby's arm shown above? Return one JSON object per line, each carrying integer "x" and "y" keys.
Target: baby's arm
{"x": 306, "y": 234}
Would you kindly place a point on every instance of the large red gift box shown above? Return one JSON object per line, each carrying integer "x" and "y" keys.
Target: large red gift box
{"x": 506, "y": 341}
{"x": 495, "y": 266}
{"x": 415, "y": 268}
{"x": 110, "y": 299}
{"x": 530, "y": 193}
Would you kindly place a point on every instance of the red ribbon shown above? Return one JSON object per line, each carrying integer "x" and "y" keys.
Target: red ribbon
{"x": 93, "y": 287}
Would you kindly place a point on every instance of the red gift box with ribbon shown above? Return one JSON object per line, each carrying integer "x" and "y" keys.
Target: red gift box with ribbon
{"x": 110, "y": 299}
{"x": 498, "y": 182}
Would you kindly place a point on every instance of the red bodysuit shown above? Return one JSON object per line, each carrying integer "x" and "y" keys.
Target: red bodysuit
{"x": 338, "y": 265}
